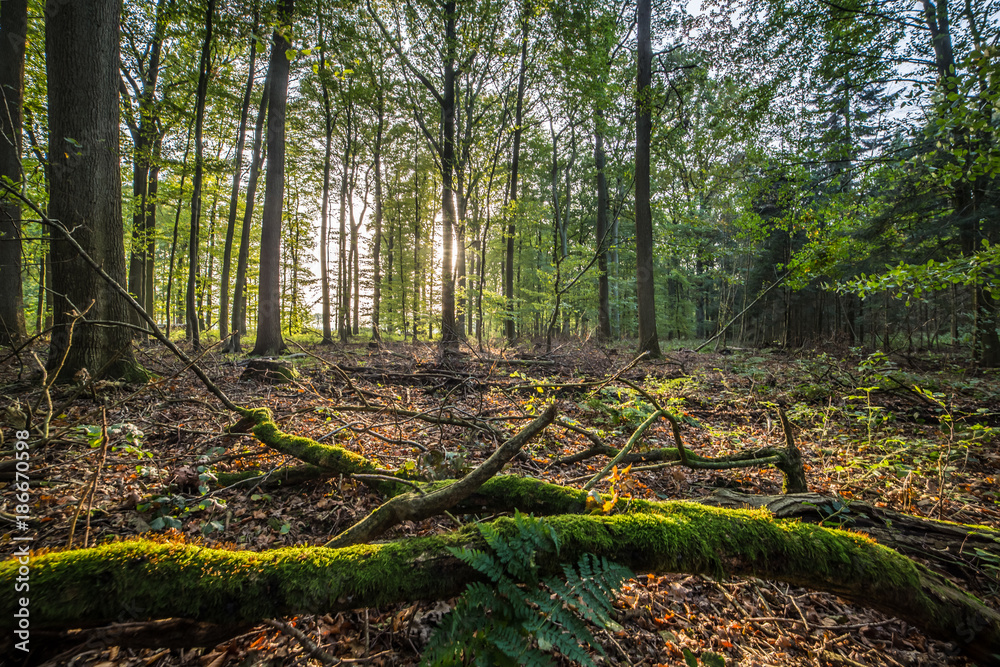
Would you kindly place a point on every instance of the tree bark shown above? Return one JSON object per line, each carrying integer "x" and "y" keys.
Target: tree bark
{"x": 227, "y": 255}
{"x": 13, "y": 36}
{"x": 449, "y": 335}
{"x": 82, "y": 60}
{"x": 177, "y": 221}
{"x": 343, "y": 316}
{"x": 269, "y": 339}
{"x": 645, "y": 286}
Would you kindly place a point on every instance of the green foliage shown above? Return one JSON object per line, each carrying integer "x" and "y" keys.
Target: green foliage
{"x": 707, "y": 658}
{"x": 523, "y": 616}
{"x": 912, "y": 281}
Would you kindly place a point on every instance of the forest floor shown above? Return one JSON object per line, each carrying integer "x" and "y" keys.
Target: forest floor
{"x": 915, "y": 433}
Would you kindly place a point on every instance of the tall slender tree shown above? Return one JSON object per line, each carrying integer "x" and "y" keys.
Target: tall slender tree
{"x": 227, "y": 254}
{"x": 444, "y": 145}
{"x": 508, "y": 277}
{"x": 269, "y": 340}
{"x": 239, "y": 322}
{"x": 204, "y": 72}
{"x": 13, "y": 36}
{"x": 146, "y": 139}
{"x": 644, "y": 283}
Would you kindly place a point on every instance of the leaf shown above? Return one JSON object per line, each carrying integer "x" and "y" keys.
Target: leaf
{"x": 713, "y": 659}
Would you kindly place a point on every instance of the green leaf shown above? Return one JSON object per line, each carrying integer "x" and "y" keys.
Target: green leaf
{"x": 713, "y": 659}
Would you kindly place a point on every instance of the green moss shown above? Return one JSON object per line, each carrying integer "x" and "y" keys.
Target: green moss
{"x": 333, "y": 458}
{"x": 138, "y": 580}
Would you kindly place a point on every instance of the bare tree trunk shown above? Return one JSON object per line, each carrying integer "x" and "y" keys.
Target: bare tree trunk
{"x": 13, "y": 35}
{"x": 324, "y": 243}
{"x": 508, "y": 283}
{"x": 448, "y": 333}
{"x": 644, "y": 283}
{"x": 269, "y": 339}
{"x": 204, "y": 72}
{"x": 239, "y": 322}
{"x": 146, "y": 138}
{"x": 377, "y": 250}
{"x": 177, "y": 220}
{"x": 603, "y": 239}
{"x": 85, "y": 188}
{"x": 227, "y": 256}
{"x": 342, "y": 268}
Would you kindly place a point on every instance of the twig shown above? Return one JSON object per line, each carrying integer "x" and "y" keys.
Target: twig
{"x": 752, "y": 304}
{"x": 91, "y": 490}
{"x": 368, "y": 477}
{"x": 311, "y": 648}
{"x": 124, "y": 293}
{"x": 650, "y": 420}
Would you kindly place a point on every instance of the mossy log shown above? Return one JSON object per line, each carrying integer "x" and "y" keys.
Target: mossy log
{"x": 955, "y": 549}
{"x": 140, "y": 580}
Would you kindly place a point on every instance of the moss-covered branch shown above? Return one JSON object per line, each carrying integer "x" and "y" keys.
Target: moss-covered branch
{"x": 415, "y": 506}
{"x": 132, "y": 581}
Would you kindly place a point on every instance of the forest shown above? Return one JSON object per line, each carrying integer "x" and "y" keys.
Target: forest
{"x": 452, "y": 332}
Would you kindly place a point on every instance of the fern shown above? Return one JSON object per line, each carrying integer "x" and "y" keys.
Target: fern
{"x": 522, "y": 617}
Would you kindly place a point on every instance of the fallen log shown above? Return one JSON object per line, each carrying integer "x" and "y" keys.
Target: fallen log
{"x": 138, "y": 580}
{"x": 955, "y": 549}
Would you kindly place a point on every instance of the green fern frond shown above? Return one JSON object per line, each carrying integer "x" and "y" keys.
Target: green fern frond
{"x": 519, "y": 618}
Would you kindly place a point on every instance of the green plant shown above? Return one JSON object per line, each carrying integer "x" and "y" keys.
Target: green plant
{"x": 522, "y": 616}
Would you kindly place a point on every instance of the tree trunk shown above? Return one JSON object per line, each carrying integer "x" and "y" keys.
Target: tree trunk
{"x": 85, "y": 188}
{"x": 603, "y": 237}
{"x": 448, "y": 333}
{"x": 192, "y": 332}
{"x": 269, "y": 341}
{"x": 13, "y": 36}
{"x": 146, "y": 139}
{"x": 149, "y": 303}
{"x": 324, "y": 227}
{"x": 342, "y": 272}
{"x": 377, "y": 249}
{"x": 508, "y": 278}
{"x": 227, "y": 255}
{"x": 644, "y": 283}
{"x": 239, "y": 323}
{"x": 157, "y": 581}
{"x": 177, "y": 220}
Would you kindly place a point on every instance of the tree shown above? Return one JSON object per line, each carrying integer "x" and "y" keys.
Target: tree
{"x": 237, "y": 179}
{"x": 243, "y": 259}
{"x": 269, "y": 340}
{"x": 204, "y": 72}
{"x": 13, "y": 36}
{"x": 85, "y": 190}
{"x": 508, "y": 275}
{"x": 147, "y": 137}
{"x": 444, "y": 145}
{"x": 645, "y": 285}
